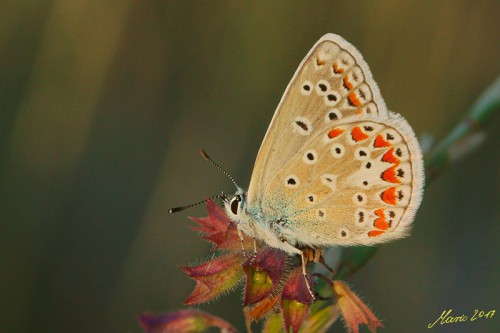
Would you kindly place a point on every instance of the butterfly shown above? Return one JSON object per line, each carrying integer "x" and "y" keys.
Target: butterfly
{"x": 335, "y": 166}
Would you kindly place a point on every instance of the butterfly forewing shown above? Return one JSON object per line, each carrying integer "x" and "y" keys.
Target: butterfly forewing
{"x": 332, "y": 82}
{"x": 336, "y": 167}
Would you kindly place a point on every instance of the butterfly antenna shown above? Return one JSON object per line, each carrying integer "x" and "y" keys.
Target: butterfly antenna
{"x": 178, "y": 209}
{"x": 206, "y": 157}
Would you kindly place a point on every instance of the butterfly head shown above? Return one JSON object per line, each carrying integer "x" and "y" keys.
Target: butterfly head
{"x": 236, "y": 204}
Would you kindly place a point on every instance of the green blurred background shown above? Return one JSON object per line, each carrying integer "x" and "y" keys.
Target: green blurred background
{"x": 104, "y": 104}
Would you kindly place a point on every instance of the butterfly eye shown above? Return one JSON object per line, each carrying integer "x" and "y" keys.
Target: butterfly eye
{"x": 235, "y": 203}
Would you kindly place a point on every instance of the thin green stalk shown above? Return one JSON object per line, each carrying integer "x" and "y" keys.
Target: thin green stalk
{"x": 464, "y": 138}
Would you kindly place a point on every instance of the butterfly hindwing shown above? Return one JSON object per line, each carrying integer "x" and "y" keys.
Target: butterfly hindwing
{"x": 361, "y": 186}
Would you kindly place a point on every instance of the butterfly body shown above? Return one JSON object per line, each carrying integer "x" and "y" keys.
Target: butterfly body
{"x": 271, "y": 229}
{"x": 335, "y": 167}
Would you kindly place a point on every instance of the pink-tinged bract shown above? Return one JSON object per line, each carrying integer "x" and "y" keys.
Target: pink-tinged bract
{"x": 263, "y": 274}
{"x": 183, "y": 321}
{"x": 295, "y": 300}
{"x": 354, "y": 311}
{"x": 214, "y": 277}
{"x": 218, "y": 229}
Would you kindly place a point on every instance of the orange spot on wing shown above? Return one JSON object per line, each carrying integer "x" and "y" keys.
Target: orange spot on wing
{"x": 389, "y": 196}
{"x": 347, "y": 84}
{"x": 337, "y": 69}
{"x": 380, "y": 142}
{"x": 357, "y": 134}
{"x": 359, "y": 111}
{"x": 374, "y": 233}
{"x": 353, "y": 98}
{"x": 380, "y": 223}
{"x": 390, "y": 157}
{"x": 335, "y": 132}
{"x": 380, "y": 213}
{"x": 319, "y": 61}
{"x": 389, "y": 175}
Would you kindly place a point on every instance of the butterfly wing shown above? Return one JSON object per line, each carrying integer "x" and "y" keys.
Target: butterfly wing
{"x": 312, "y": 164}
{"x": 358, "y": 181}
{"x": 332, "y": 82}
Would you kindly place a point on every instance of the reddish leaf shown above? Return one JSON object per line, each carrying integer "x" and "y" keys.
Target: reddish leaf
{"x": 261, "y": 308}
{"x": 214, "y": 277}
{"x": 354, "y": 311}
{"x": 216, "y": 222}
{"x": 184, "y": 321}
{"x": 295, "y": 300}
{"x": 263, "y": 274}
{"x": 218, "y": 229}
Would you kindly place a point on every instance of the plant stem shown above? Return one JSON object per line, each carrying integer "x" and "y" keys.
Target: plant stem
{"x": 464, "y": 138}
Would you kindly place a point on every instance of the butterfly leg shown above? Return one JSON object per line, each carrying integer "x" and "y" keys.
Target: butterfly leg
{"x": 313, "y": 254}
{"x": 242, "y": 239}
{"x": 304, "y": 272}
{"x": 292, "y": 249}
{"x": 323, "y": 262}
{"x": 240, "y": 234}
{"x": 252, "y": 228}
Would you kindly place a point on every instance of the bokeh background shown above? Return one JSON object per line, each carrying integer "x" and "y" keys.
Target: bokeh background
{"x": 104, "y": 105}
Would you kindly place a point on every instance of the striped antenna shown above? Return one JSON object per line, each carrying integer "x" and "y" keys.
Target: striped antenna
{"x": 178, "y": 209}
{"x": 206, "y": 157}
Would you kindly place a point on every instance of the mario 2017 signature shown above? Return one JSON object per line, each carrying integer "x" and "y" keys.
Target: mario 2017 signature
{"x": 447, "y": 318}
